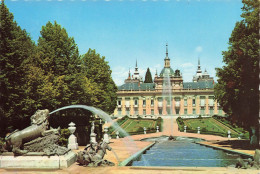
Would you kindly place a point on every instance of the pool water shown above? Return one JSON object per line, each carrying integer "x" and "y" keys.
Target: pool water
{"x": 184, "y": 152}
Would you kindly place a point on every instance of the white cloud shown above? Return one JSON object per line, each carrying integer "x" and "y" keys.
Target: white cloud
{"x": 119, "y": 74}
{"x": 199, "y": 49}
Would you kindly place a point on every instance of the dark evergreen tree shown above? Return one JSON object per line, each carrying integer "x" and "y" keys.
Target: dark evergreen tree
{"x": 15, "y": 48}
{"x": 237, "y": 88}
{"x": 148, "y": 77}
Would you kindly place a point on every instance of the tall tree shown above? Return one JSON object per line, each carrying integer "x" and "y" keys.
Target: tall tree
{"x": 59, "y": 59}
{"x": 15, "y": 47}
{"x": 237, "y": 88}
{"x": 98, "y": 70}
{"x": 148, "y": 77}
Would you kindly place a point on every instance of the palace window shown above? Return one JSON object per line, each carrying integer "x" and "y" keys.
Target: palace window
{"x": 152, "y": 102}
{"x": 160, "y": 111}
{"x": 144, "y": 102}
{"x": 177, "y": 111}
{"x": 194, "y": 111}
{"x": 211, "y": 110}
{"x": 127, "y": 103}
{"x": 185, "y": 102}
{"x": 127, "y": 111}
{"x": 202, "y": 101}
{"x": 202, "y": 110}
{"x": 185, "y": 111}
{"x": 193, "y": 102}
{"x": 211, "y": 101}
{"x": 144, "y": 112}
{"x": 152, "y": 111}
{"x": 136, "y": 111}
{"x": 136, "y": 102}
{"x": 119, "y": 102}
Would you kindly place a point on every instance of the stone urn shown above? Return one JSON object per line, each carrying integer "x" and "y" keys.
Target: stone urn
{"x": 72, "y": 139}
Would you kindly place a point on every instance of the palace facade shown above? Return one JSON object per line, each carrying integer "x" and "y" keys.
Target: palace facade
{"x": 168, "y": 95}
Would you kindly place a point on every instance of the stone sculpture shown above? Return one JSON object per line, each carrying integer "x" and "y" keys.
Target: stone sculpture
{"x": 35, "y": 138}
{"x": 93, "y": 155}
{"x": 249, "y": 163}
{"x": 171, "y": 138}
{"x": 93, "y": 134}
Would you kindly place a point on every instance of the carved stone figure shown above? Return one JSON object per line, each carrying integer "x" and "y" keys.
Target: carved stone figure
{"x": 92, "y": 127}
{"x": 249, "y": 163}
{"x": 38, "y": 128}
{"x": 93, "y": 155}
{"x": 171, "y": 138}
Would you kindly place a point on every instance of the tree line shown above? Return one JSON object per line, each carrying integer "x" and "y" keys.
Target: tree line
{"x": 48, "y": 74}
{"x": 237, "y": 89}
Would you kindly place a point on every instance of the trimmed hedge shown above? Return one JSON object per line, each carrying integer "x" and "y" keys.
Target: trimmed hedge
{"x": 181, "y": 124}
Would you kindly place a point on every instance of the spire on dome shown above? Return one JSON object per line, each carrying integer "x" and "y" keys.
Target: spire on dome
{"x": 166, "y": 50}
{"x": 167, "y": 59}
{"x": 136, "y": 68}
{"x": 156, "y": 73}
{"x": 199, "y": 64}
{"x": 129, "y": 74}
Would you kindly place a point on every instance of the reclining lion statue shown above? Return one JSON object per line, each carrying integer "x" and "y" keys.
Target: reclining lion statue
{"x": 38, "y": 128}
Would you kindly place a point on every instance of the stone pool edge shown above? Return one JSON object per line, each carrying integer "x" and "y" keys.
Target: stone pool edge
{"x": 135, "y": 156}
{"x": 224, "y": 149}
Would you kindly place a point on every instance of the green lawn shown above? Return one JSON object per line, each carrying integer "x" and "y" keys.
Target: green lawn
{"x": 135, "y": 126}
{"x": 209, "y": 125}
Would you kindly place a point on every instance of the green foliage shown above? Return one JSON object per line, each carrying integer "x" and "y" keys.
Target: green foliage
{"x": 97, "y": 69}
{"x": 140, "y": 130}
{"x": 49, "y": 75}
{"x": 159, "y": 122}
{"x": 122, "y": 120}
{"x": 15, "y": 47}
{"x": 148, "y": 77}
{"x": 234, "y": 127}
{"x": 180, "y": 123}
{"x": 237, "y": 88}
{"x": 204, "y": 129}
{"x": 64, "y": 136}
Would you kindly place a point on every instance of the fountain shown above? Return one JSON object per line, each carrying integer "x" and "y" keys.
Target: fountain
{"x": 167, "y": 95}
{"x": 40, "y": 141}
{"x": 107, "y": 118}
{"x": 40, "y": 146}
{"x": 129, "y": 143}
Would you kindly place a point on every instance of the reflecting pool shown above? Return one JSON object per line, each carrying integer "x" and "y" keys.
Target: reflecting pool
{"x": 184, "y": 152}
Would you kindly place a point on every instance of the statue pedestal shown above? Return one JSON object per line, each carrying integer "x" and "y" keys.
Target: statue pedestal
{"x": 73, "y": 142}
{"x": 93, "y": 138}
{"x": 38, "y": 162}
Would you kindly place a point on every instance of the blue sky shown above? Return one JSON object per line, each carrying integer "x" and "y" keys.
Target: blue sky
{"x": 128, "y": 30}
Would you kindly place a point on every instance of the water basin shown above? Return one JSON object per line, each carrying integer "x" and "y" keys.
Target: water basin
{"x": 184, "y": 152}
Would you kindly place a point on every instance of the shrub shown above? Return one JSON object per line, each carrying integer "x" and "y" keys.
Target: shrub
{"x": 139, "y": 117}
{"x": 64, "y": 136}
{"x": 140, "y": 129}
{"x": 180, "y": 120}
{"x": 204, "y": 129}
